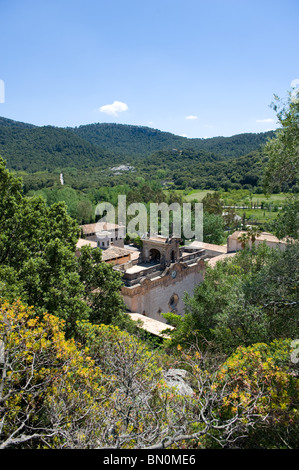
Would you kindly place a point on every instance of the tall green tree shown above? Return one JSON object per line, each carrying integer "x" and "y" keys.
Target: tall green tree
{"x": 213, "y": 228}
{"x": 38, "y": 262}
{"x": 286, "y": 223}
{"x": 212, "y": 203}
{"x": 102, "y": 285}
{"x": 283, "y": 150}
{"x": 10, "y": 194}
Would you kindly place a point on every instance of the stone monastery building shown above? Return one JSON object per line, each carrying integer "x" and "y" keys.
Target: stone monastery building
{"x": 156, "y": 277}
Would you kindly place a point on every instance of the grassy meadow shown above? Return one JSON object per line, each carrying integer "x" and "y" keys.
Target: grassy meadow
{"x": 258, "y": 208}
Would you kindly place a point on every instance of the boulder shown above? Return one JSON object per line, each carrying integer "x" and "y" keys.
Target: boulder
{"x": 176, "y": 378}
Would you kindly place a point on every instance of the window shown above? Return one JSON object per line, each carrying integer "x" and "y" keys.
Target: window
{"x": 173, "y": 302}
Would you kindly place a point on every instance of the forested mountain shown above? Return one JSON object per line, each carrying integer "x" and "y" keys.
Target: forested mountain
{"x": 4, "y": 122}
{"x": 87, "y": 156}
{"x": 204, "y": 170}
{"x": 33, "y": 148}
{"x": 143, "y": 141}
{"x": 236, "y": 145}
{"x": 172, "y": 169}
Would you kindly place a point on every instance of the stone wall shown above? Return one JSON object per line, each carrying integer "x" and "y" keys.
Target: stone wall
{"x": 164, "y": 293}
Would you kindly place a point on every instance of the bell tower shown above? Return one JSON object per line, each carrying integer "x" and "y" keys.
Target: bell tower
{"x": 158, "y": 249}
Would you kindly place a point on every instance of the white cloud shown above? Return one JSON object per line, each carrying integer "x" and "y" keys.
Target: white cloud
{"x": 265, "y": 120}
{"x": 191, "y": 117}
{"x": 114, "y": 109}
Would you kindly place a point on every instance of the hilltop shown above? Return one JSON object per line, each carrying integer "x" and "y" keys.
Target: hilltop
{"x": 31, "y": 148}
{"x": 88, "y": 154}
{"x": 136, "y": 141}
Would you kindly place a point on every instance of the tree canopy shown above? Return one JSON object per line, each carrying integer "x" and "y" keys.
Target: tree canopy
{"x": 109, "y": 391}
{"x": 39, "y": 265}
{"x": 283, "y": 149}
{"x": 232, "y": 308}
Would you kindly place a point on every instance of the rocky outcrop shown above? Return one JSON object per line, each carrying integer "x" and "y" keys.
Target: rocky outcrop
{"x": 176, "y": 378}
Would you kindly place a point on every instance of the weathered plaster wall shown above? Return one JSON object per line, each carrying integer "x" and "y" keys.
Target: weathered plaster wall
{"x": 153, "y": 296}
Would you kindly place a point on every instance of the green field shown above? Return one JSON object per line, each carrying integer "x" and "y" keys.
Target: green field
{"x": 258, "y": 216}
{"x": 238, "y": 196}
{"x": 197, "y": 194}
{"x": 245, "y": 202}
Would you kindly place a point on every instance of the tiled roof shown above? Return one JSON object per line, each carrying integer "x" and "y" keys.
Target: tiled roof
{"x": 114, "y": 252}
{"x": 82, "y": 242}
{"x": 212, "y": 261}
{"x": 93, "y": 228}
{"x": 209, "y": 246}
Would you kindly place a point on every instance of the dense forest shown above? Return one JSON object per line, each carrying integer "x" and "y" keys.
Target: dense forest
{"x": 89, "y": 156}
{"x": 172, "y": 169}
{"x": 136, "y": 141}
{"x": 46, "y": 148}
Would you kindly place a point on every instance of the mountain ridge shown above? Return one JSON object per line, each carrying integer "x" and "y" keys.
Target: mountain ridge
{"x": 100, "y": 133}
{"x": 31, "y": 148}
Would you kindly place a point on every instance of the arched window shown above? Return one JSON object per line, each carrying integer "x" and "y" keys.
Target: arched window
{"x": 173, "y": 302}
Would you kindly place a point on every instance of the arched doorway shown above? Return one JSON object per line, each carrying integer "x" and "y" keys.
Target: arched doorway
{"x": 154, "y": 255}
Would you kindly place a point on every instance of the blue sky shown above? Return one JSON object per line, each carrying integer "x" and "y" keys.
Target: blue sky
{"x": 190, "y": 67}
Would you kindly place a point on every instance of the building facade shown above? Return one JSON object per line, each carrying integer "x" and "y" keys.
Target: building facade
{"x": 104, "y": 233}
{"x": 156, "y": 282}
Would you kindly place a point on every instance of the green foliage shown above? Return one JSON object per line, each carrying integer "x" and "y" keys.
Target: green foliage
{"x": 87, "y": 155}
{"x": 137, "y": 140}
{"x": 213, "y": 229}
{"x": 212, "y": 203}
{"x": 286, "y": 223}
{"x": 79, "y": 206}
{"x": 108, "y": 390}
{"x": 232, "y": 307}
{"x": 262, "y": 373}
{"x": 47, "y": 148}
{"x": 48, "y": 385}
{"x": 107, "y": 342}
{"x": 102, "y": 286}
{"x": 10, "y": 193}
{"x": 57, "y": 393}
{"x": 39, "y": 265}
{"x": 283, "y": 149}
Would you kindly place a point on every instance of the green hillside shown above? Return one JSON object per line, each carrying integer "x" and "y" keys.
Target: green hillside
{"x": 200, "y": 169}
{"x": 136, "y": 141}
{"x": 4, "y": 122}
{"x": 31, "y": 148}
{"x": 87, "y": 155}
{"x": 236, "y": 145}
{"x": 34, "y": 148}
